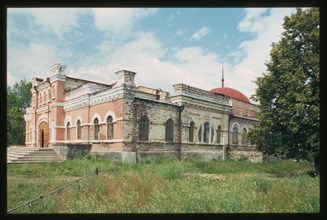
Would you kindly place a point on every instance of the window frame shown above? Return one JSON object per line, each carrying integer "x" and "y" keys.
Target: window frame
{"x": 144, "y": 128}
{"x": 169, "y": 137}
{"x": 191, "y": 132}
{"x": 96, "y": 134}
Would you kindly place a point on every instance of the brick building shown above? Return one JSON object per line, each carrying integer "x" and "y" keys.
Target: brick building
{"x": 129, "y": 122}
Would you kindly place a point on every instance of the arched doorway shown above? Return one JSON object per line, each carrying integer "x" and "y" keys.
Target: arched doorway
{"x": 43, "y": 134}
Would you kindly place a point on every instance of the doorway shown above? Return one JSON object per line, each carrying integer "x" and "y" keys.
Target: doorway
{"x": 43, "y": 134}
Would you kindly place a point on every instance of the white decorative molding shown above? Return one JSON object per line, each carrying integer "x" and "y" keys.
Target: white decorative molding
{"x": 237, "y": 125}
{"x": 57, "y": 77}
{"x": 68, "y": 119}
{"x": 78, "y": 117}
{"x": 112, "y": 114}
{"x": 42, "y": 109}
{"x": 96, "y": 115}
{"x": 42, "y": 118}
{"x": 55, "y": 104}
{"x": 83, "y": 100}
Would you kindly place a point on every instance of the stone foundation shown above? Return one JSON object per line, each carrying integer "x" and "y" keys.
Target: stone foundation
{"x": 69, "y": 151}
{"x": 252, "y": 156}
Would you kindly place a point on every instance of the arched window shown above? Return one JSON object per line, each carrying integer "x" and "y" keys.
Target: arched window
{"x": 191, "y": 132}
{"x": 219, "y": 134}
{"x": 78, "y": 128}
{"x": 200, "y": 134}
{"x": 244, "y": 134}
{"x": 96, "y": 129}
{"x": 68, "y": 131}
{"x": 235, "y": 135}
{"x": 110, "y": 128}
{"x": 144, "y": 129}
{"x": 206, "y": 132}
{"x": 212, "y": 134}
{"x": 170, "y": 130}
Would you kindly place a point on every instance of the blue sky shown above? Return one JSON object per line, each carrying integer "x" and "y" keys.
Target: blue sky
{"x": 165, "y": 46}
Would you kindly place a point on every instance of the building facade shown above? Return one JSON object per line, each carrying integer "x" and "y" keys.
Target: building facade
{"x": 129, "y": 122}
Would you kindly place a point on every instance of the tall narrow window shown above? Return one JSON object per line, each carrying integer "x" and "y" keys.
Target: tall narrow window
{"x": 206, "y": 132}
{"x": 144, "y": 129}
{"x": 235, "y": 135}
{"x": 68, "y": 131}
{"x": 170, "y": 130}
{"x": 219, "y": 134}
{"x": 79, "y": 131}
{"x": 200, "y": 134}
{"x": 96, "y": 129}
{"x": 212, "y": 134}
{"x": 191, "y": 132}
{"x": 244, "y": 134}
{"x": 110, "y": 128}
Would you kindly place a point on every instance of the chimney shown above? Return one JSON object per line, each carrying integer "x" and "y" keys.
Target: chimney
{"x": 58, "y": 69}
{"x": 125, "y": 77}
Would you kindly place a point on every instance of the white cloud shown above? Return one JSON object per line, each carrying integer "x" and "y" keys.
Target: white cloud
{"x": 266, "y": 27}
{"x": 54, "y": 20}
{"x": 119, "y": 20}
{"x": 29, "y": 61}
{"x": 201, "y": 33}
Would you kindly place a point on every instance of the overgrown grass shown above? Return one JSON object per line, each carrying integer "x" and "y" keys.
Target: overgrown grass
{"x": 161, "y": 186}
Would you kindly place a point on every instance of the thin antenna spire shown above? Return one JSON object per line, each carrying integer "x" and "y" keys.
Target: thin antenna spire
{"x": 222, "y": 77}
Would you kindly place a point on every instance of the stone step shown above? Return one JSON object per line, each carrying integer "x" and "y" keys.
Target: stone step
{"x": 17, "y": 154}
{"x": 32, "y": 161}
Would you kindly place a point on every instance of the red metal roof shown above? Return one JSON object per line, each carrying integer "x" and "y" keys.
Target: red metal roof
{"x": 233, "y": 93}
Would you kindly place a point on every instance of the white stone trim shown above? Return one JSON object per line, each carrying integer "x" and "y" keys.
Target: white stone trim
{"x": 78, "y": 117}
{"x": 96, "y": 115}
{"x": 43, "y": 117}
{"x": 55, "y": 104}
{"x": 41, "y": 109}
{"x": 68, "y": 119}
{"x": 112, "y": 114}
{"x": 237, "y": 125}
{"x": 119, "y": 119}
{"x": 247, "y": 130}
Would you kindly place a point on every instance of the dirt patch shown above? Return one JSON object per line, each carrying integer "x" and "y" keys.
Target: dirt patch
{"x": 214, "y": 176}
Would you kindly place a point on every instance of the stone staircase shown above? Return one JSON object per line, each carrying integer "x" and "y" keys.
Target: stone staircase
{"x": 20, "y": 154}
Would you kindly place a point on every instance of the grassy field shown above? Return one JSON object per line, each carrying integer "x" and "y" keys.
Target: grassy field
{"x": 164, "y": 186}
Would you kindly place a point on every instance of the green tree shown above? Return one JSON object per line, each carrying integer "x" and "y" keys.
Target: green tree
{"x": 18, "y": 98}
{"x": 288, "y": 92}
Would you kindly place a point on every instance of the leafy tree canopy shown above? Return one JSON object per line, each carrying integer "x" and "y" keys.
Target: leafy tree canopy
{"x": 288, "y": 92}
{"x": 18, "y": 99}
